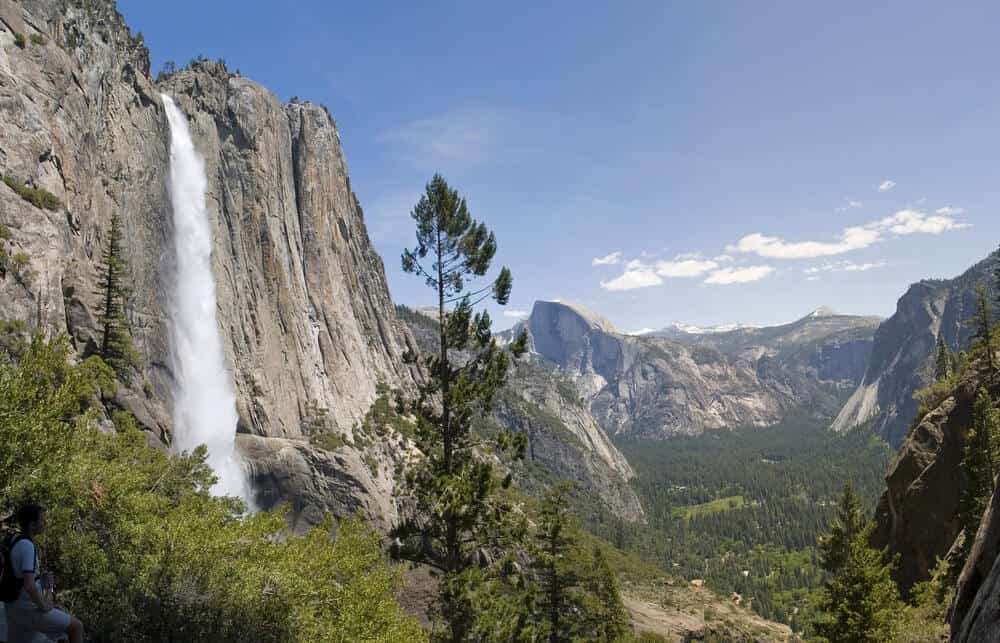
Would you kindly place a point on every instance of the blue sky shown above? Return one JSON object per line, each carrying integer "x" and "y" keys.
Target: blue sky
{"x": 702, "y": 161}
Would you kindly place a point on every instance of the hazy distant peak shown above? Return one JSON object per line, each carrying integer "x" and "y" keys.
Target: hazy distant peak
{"x": 823, "y": 311}
{"x": 707, "y": 330}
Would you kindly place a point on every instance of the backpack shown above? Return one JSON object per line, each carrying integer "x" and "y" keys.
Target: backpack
{"x": 10, "y": 585}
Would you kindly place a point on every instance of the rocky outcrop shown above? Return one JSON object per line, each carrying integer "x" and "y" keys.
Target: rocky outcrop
{"x": 303, "y": 306}
{"x": 652, "y": 386}
{"x": 563, "y": 438}
{"x": 917, "y": 516}
{"x": 902, "y": 358}
{"x": 975, "y": 610}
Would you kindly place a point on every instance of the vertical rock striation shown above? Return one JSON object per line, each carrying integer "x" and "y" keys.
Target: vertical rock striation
{"x": 308, "y": 325}
{"x": 902, "y": 359}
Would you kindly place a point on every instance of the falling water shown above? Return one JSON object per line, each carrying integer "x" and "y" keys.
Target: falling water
{"x": 204, "y": 402}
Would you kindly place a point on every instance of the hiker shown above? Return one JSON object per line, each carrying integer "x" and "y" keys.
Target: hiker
{"x": 32, "y": 612}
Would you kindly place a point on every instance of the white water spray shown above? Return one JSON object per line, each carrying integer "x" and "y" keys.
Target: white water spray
{"x": 204, "y": 402}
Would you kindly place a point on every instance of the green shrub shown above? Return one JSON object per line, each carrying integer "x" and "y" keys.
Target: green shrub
{"x": 19, "y": 40}
{"x": 330, "y": 441}
{"x": 143, "y": 550}
{"x": 20, "y": 265}
{"x": 38, "y": 197}
{"x": 38, "y": 39}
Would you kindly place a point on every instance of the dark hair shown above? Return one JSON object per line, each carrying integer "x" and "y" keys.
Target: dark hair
{"x": 28, "y": 514}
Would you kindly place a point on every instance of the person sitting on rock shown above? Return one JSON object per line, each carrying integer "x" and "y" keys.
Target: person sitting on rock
{"x": 32, "y": 613}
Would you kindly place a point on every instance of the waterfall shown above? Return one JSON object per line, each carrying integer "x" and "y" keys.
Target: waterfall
{"x": 204, "y": 401}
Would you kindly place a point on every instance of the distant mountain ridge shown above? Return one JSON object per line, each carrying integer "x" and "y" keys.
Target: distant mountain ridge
{"x": 655, "y": 386}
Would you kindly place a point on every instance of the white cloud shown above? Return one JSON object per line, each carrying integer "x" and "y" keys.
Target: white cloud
{"x": 516, "y": 314}
{"x": 641, "y": 331}
{"x": 635, "y": 276}
{"x": 608, "y": 260}
{"x": 886, "y": 185}
{"x": 844, "y": 266}
{"x": 853, "y": 238}
{"x": 903, "y": 222}
{"x": 725, "y": 276}
{"x": 915, "y": 222}
{"x": 641, "y": 274}
{"x": 456, "y": 136}
{"x": 684, "y": 267}
{"x": 724, "y": 258}
{"x": 948, "y": 211}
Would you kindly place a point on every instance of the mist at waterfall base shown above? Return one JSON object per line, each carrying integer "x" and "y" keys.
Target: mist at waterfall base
{"x": 204, "y": 400}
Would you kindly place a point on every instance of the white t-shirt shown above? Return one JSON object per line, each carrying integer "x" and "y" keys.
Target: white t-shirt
{"x": 23, "y": 560}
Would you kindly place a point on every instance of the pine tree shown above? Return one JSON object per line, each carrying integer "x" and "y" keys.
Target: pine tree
{"x": 984, "y": 327}
{"x": 578, "y": 597}
{"x": 462, "y": 527}
{"x": 116, "y": 347}
{"x": 943, "y": 363}
{"x": 996, "y": 274}
{"x": 859, "y": 602}
{"x": 979, "y": 467}
{"x": 555, "y": 573}
{"x": 608, "y": 616}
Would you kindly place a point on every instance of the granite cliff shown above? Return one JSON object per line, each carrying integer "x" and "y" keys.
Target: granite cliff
{"x": 903, "y": 351}
{"x": 304, "y": 309}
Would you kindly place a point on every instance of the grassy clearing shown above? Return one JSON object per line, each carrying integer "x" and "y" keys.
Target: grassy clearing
{"x": 711, "y": 507}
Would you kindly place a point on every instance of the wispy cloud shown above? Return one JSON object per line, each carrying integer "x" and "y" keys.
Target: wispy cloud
{"x": 853, "y": 238}
{"x": 684, "y": 267}
{"x": 726, "y": 276}
{"x": 456, "y": 136}
{"x": 851, "y": 205}
{"x": 904, "y": 222}
{"x": 608, "y": 260}
{"x": 516, "y": 314}
{"x": 886, "y": 185}
{"x": 643, "y": 274}
{"x": 844, "y": 266}
{"x": 948, "y": 211}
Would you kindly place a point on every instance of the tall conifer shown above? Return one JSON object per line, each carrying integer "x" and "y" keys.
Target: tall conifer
{"x": 116, "y": 348}
{"x": 860, "y": 601}
{"x": 943, "y": 362}
{"x": 462, "y": 527}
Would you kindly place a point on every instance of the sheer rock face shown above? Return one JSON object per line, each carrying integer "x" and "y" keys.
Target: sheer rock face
{"x": 303, "y": 305}
{"x": 975, "y": 609}
{"x": 917, "y": 516}
{"x": 902, "y": 358}
{"x": 302, "y": 293}
{"x": 655, "y": 387}
{"x": 564, "y": 438}
{"x": 80, "y": 118}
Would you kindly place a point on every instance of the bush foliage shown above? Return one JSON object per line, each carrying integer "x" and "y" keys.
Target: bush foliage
{"x": 141, "y": 549}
